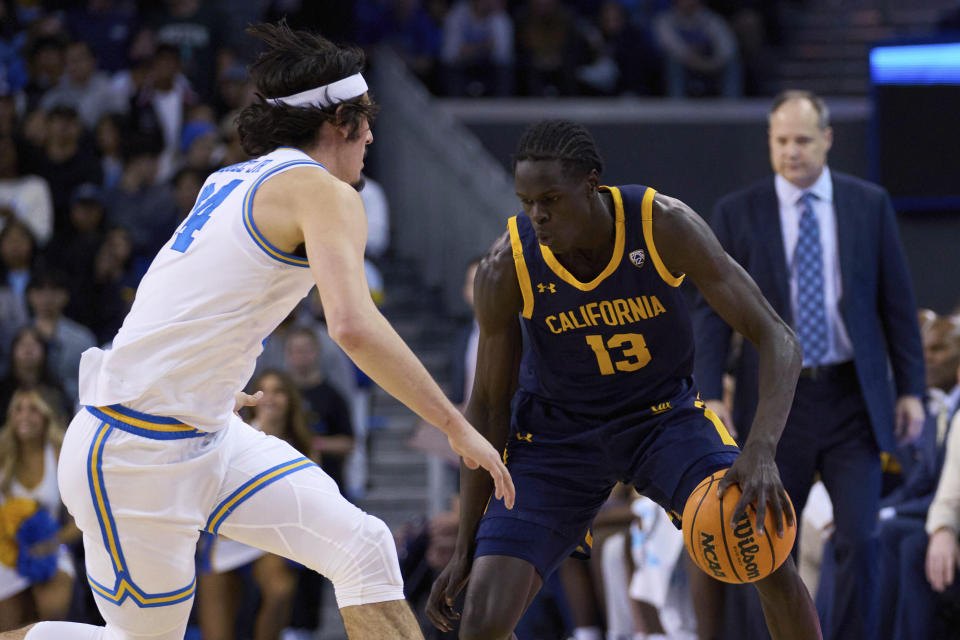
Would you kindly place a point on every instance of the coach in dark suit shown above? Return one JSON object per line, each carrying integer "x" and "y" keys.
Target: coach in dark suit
{"x": 825, "y": 251}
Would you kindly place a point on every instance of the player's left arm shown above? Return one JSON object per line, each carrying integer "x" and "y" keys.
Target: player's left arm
{"x": 687, "y": 245}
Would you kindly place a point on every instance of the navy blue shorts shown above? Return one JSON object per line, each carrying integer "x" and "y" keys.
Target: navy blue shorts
{"x": 564, "y": 465}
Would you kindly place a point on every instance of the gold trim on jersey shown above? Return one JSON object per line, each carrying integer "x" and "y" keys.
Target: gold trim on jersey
{"x": 646, "y": 214}
{"x": 615, "y": 259}
{"x": 523, "y": 276}
{"x": 725, "y": 436}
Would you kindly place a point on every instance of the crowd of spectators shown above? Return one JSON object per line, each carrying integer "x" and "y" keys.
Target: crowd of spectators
{"x": 679, "y": 48}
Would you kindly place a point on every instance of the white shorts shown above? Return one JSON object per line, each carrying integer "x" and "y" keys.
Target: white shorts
{"x": 141, "y": 488}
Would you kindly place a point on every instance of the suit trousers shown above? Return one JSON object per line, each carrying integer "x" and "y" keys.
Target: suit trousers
{"x": 828, "y": 432}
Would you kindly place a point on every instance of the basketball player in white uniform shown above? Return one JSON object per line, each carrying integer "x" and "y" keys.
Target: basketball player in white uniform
{"x": 157, "y": 454}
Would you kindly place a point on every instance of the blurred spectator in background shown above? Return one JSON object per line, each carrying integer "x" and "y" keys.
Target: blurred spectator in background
{"x": 941, "y": 354}
{"x": 107, "y": 135}
{"x": 620, "y": 56}
{"x": 39, "y": 588}
{"x": 377, "y": 207}
{"x": 28, "y": 368}
{"x": 9, "y": 118}
{"x": 186, "y": 187}
{"x": 47, "y": 296}
{"x": 139, "y": 203}
{"x": 407, "y": 27}
{"x": 74, "y": 247}
{"x": 108, "y": 27}
{"x": 13, "y": 67}
{"x": 199, "y": 146}
{"x": 45, "y": 66}
{"x": 700, "y": 52}
{"x": 17, "y": 253}
{"x": 942, "y": 565}
{"x": 233, "y": 152}
{"x": 219, "y": 587}
{"x": 325, "y": 410}
{"x": 546, "y": 47}
{"x": 63, "y": 160}
{"x": 756, "y": 26}
{"x": 28, "y": 196}
{"x": 34, "y": 131}
{"x": 234, "y": 91}
{"x": 83, "y": 88}
{"x": 194, "y": 29}
{"x": 463, "y": 359}
{"x": 903, "y": 513}
{"x": 477, "y": 51}
{"x": 109, "y": 293}
{"x": 425, "y": 548}
{"x": 159, "y": 94}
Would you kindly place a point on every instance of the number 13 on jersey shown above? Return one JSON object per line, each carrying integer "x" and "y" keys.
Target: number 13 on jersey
{"x": 630, "y": 346}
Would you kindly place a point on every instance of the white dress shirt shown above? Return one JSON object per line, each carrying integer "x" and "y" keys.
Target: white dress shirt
{"x": 839, "y": 347}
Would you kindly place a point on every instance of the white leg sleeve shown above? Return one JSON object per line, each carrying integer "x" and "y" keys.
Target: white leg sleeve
{"x": 65, "y": 631}
{"x": 300, "y": 514}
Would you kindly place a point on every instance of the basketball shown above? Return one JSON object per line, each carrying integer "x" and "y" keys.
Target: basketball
{"x": 732, "y": 554}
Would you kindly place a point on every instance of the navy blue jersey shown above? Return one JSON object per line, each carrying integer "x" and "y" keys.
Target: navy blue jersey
{"x": 620, "y": 342}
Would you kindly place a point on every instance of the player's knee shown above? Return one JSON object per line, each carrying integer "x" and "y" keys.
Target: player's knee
{"x": 368, "y": 570}
{"x": 479, "y": 627}
{"x": 484, "y": 618}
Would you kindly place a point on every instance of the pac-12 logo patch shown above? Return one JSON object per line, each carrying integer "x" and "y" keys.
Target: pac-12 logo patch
{"x": 638, "y": 257}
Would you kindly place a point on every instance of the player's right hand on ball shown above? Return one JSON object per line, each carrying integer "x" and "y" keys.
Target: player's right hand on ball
{"x": 444, "y": 592}
{"x": 477, "y": 451}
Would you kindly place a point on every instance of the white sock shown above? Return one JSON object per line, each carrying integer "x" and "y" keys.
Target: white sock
{"x": 587, "y": 633}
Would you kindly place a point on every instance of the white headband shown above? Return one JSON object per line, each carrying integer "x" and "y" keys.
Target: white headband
{"x": 327, "y": 95}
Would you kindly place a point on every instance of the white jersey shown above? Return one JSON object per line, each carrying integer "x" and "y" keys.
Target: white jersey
{"x": 210, "y": 298}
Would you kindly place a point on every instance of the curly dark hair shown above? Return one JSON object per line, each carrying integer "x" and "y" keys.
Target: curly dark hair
{"x": 563, "y": 140}
{"x": 297, "y": 61}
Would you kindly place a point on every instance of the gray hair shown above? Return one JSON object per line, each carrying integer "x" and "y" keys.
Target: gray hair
{"x": 823, "y": 112}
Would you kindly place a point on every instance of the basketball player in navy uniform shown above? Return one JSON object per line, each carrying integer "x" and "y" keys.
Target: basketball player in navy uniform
{"x": 602, "y": 391}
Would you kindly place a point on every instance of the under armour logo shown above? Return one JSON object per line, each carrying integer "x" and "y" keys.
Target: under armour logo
{"x": 526, "y": 437}
{"x": 552, "y": 288}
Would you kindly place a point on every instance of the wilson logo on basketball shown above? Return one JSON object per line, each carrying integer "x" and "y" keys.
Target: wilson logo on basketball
{"x": 732, "y": 552}
{"x": 747, "y": 547}
{"x": 709, "y": 551}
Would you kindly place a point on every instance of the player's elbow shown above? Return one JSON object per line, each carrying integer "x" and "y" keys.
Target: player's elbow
{"x": 349, "y": 332}
{"x": 790, "y": 348}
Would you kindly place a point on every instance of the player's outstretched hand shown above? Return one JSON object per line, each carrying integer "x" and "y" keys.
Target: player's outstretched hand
{"x": 241, "y": 400}
{"x": 477, "y": 451}
{"x": 444, "y": 592}
{"x": 756, "y": 473}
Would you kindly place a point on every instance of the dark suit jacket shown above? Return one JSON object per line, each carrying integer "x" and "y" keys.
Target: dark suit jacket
{"x": 877, "y": 304}
{"x": 913, "y": 497}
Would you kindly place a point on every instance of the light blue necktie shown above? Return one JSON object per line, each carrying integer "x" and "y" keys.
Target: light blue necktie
{"x": 811, "y": 310}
